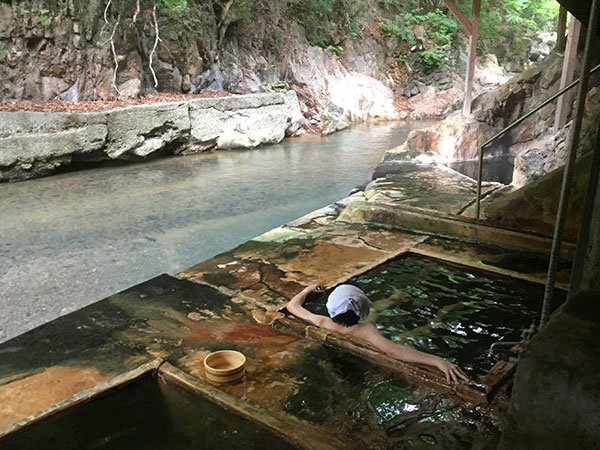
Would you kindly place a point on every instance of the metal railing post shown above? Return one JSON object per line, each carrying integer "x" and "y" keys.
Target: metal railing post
{"x": 511, "y": 126}
{"x": 565, "y": 191}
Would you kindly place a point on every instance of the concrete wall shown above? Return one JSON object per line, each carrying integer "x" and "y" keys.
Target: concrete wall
{"x": 34, "y": 144}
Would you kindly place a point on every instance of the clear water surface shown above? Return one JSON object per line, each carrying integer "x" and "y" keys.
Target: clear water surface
{"x": 71, "y": 239}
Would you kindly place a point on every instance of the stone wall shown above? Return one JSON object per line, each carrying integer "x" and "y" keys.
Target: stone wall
{"x": 34, "y": 144}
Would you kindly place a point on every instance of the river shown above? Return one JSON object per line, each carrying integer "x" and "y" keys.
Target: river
{"x": 74, "y": 238}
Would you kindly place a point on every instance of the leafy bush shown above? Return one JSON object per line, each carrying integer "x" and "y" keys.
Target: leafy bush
{"x": 433, "y": 58}
{"x": 509, "y": 18}
{"x": 3, "y": 53}
{"x": 356, "y": 29}
{"x": 441, "y": 28}
{"x": 45, "y": 18}
{"x": 399, "y": 29}
{"x": 337, "y": 50}
{"x": 323, "y": 19}
{"x": 175, "y": 9}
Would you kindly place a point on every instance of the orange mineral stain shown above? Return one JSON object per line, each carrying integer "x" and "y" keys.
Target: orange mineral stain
{"x": 27, "y": 396}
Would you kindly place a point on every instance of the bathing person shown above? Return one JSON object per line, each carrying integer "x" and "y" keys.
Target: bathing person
{"x": 348, "y": 304}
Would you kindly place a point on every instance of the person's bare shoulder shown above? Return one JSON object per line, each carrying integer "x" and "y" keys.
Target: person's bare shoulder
{"x": 364, "y": 331}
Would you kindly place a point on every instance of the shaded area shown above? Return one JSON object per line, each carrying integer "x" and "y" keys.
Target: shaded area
{"x": 148, "y": 414}
{"x": 498, "y": 169}
{"x": 102, "y": 334}
{"x": 450, "y": 311}
{"x": 530, "y": 263}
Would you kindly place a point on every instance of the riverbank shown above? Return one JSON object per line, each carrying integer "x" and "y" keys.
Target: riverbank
{"x": 34, "y": 144}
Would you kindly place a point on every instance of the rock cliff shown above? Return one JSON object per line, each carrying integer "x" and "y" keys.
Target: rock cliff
{"x": 63, "y": 50}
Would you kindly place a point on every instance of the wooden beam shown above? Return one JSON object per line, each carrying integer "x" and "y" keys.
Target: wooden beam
{"x": 462, "y": 19}
{"x": 472, "y": 56}
{"x": 561, "y": 38}
{"x": 568, "y": 74}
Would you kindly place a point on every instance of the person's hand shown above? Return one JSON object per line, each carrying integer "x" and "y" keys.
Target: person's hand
{"x": 453, "y": 373}
{"x": 314, "y": 288}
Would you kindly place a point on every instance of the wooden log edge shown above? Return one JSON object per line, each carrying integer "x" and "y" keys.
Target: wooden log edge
{"x": 473, "y": 393}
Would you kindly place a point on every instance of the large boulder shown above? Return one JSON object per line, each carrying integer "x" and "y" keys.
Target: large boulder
{"x": 238, "y": 121}
{"x": 533, "y": 207}
{"x": 35, "y": 143}
{"x": 332, "y": 119}
{"x": 295, "y": 117}
{"x": 38, "y": 143}
{"x": 454, "y": 139}
{"x": 137, "y": 131}
{"x": 547, "y": 152}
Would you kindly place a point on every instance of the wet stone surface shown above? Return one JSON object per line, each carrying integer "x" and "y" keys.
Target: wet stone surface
{"x": 324, "y": 387}
{"x": 424, "y": 186}
{"x": 529, "y": 263}
{"x": 159, "y": 318}
{"x": 116, "y": 334}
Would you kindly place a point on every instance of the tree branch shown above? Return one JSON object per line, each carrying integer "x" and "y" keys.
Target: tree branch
{"x": 111, "y": 39}
{"x": 156, "y": 40}
{"x": 137, "y": 11}
{"x": 114, "y": 53}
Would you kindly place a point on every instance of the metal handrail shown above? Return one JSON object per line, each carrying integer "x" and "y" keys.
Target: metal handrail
{"x": 510, "y": 127}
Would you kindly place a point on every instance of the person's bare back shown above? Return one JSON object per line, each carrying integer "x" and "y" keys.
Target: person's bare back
{"x": 347, "y": 306}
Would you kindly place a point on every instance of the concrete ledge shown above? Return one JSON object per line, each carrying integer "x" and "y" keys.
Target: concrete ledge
{"x": 405, "y": 218}
{"x": 34, "y": 144}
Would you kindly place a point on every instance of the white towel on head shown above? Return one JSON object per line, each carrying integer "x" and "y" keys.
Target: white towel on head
{"x": 346, "y": 297}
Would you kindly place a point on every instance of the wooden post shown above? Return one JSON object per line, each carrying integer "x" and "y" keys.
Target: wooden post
{"x": 471, "y": 27}
{"x": 561, "y": 38}
{"x": 472, "y": 55}
{"x": 568, "y": 73}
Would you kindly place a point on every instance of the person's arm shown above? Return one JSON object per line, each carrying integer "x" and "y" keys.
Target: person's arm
{"x": 295, "y": 306}
{"x": 372, "y": 335}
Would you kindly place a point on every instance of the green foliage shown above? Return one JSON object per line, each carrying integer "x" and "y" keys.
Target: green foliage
{"x": 502, "y": 21}
{"x": 26, "y": 15}
{"x": 318, "y": 43}
{"x": 444, "y": 27}
{"x": 242, "y": 9}
{"x": 399, "y": 29}
{"x": 337, "y": 50}
{"x": 3, "y": 53}
{"x": 327, "y": 20}
{"x": 45, "y": 18}
{"x": 441, "y": 29}
{"x": 433, "y": 58}
{"x": 319, "y": 8}
{"x": 356, "y": 29}
{"x": 175, "y": 9}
